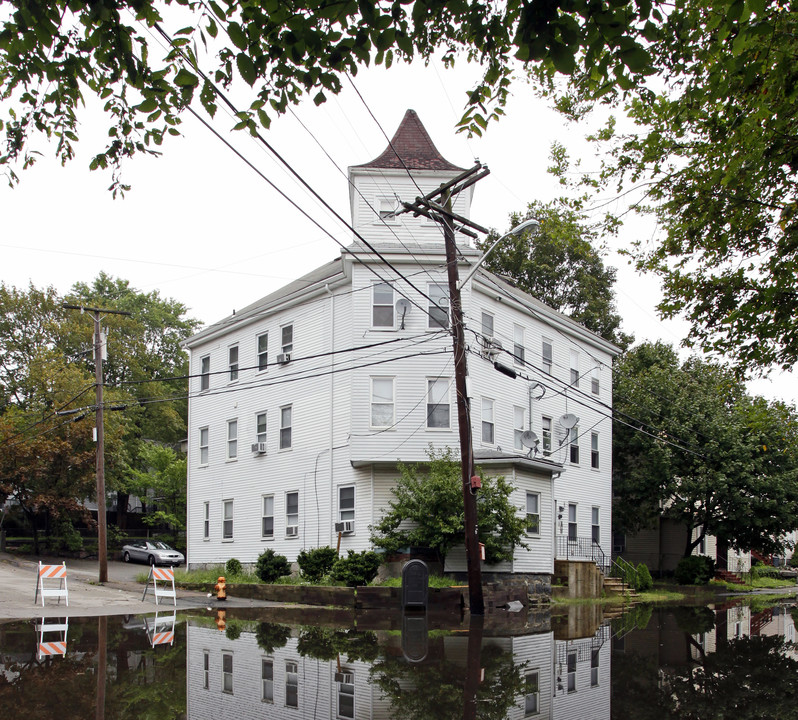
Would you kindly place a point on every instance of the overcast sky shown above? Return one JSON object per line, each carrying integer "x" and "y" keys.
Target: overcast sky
{"x": 202, "y": 227}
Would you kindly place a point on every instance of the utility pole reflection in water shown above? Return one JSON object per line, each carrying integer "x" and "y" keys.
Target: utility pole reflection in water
{"x": 473, "y": 666}
{"x": 102, "y": 652}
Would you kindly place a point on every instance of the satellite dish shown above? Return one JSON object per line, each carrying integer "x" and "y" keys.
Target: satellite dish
{"x": 568, "y": 421}
{"x": 402, "y": 308}
{"x": 529, "y": 439}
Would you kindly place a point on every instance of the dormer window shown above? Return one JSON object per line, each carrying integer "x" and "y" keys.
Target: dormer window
{"x": 386, "y": 209}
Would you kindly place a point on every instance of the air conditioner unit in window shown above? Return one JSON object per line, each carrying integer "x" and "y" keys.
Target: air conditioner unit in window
{"x": 347, "y": 526}
{"x": 259, "y": 448}
{"x": 291, "y": 530}
{"x": 284, "y": 358}
{"x": 345, "y": 678}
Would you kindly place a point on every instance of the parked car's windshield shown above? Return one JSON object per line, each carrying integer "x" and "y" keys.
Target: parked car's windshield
{"x": 162, "y": 546}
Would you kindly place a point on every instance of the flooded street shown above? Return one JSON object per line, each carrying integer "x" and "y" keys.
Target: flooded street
{"x": 720, "y": 661}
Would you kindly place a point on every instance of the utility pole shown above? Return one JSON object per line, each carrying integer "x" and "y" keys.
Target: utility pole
{"x": 441, "y": 212}
{"x": 102, "y": 541}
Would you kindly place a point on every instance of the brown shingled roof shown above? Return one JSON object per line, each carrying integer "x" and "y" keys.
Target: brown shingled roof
{"x": 411, "y": 148}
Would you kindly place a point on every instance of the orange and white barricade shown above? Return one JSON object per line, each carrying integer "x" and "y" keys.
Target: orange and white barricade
{"x": 166, "y": 576}
{"x": 44, "y": 583}
{"x": 161, "y": 630}
{"x": 47, "y": 647}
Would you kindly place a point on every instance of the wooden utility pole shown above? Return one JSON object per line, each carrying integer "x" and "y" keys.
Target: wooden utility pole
{"x": 102, "y": 541}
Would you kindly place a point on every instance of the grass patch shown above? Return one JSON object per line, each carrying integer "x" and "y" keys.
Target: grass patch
{"x": 759, "y": 583}
{"x": 435, "y": 581}
{"x": 206, "y": 576}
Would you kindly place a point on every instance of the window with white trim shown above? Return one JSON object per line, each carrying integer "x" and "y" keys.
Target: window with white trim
{"x": 574, "y": 368}
{"x": 382, "y": 402}
{"x": 291, "y": 684}
{"x": 227, "y": 673}
{"x": 203, "y": 445}
{"x": 595, "y": 385}
{"x": 287, "y": 339}
{"x": 488, "y": 426}
{"x": 518, "y": 427}
{"x": 382, "y": 305}
{"x": 206, "y": 669}
{"x": 232, "y": 362}
{"x": 227, "y": 519}
{"x": 267, "y": 680}
{"x": 285, "y": 426}
{"x": 386, "y": 209}
{"x": 546, "y": 431}
{"x": 346, "y": 503}
{"x": 439, "y": 306}
{"x": 594, "y": 667}
{"x": 206, "y": 521}
{"x": 533, "y": 513}
{"x": 595, "y": 518}
{"x": 573, "y": 445}
{"x": 263, "y": 351}
{"x": 438, "y": 408}
{"x": 232, "y": 439}
{"x": 292, "y": 513}
{"x": 267, "y": 517}
{"x": 594, "y": 451}
{"x": 346, "y": 696}
{"x": 573, "y": 530}
{"x": 571, "y": 667}
{"x": 487, "y": 324}
{"x": 546, "y": 354}
{"x": 261, "y": 427}
{"x": 519, "y": 352}
{"x": 531, "y": 694}
{"x": 205, "y": 372}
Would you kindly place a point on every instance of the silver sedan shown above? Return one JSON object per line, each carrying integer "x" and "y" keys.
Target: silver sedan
{"x": 154, "y": 553}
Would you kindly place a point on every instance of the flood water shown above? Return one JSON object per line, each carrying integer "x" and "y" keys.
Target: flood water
{"x": 720, "y": 661}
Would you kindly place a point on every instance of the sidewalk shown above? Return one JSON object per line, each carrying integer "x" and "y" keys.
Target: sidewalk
{"x": 121, "y": 595}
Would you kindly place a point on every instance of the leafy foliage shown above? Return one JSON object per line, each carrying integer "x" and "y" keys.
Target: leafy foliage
{"x": 561, "y": 267}
{"x": 271, "y": 636}
{"x": 315, "y": 563}
{"x": 233, "y": 567}
{"x": 427, "y": 511}
{"x": 695, "y": 570}
{"x": 356, "y": 569}
{"x": 270, "y": 567}
{"x": 644, "y": 581}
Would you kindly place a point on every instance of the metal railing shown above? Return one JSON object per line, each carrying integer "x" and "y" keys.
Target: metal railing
{"x": 624, "y": 571}
{"x": 582, "y": 548}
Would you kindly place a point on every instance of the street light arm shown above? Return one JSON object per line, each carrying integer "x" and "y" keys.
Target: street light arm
{"x": 530, "y": 224}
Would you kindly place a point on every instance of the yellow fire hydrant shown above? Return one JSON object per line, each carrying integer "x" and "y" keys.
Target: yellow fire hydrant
{"x": 221, "y": 620}
{"x": 221, "y": 589}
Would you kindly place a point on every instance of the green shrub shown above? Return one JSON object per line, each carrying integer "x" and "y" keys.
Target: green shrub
{"x": 316, "y": 563}
{"x": 357, "y": 568}
{"x": 68, "y": 537}
{"x": 270, "y": 566}
{"x": 233, "y": 567}
{"x": 695, "y": 570}
{"x": 271, "y": 636}
{"x": 233, "y": 630}
{"x": 644, "y": 581}
{"x": 761, "y": 570}
{"x": 793, "y": 561}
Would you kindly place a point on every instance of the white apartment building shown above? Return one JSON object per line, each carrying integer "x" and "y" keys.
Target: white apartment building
{"x": 302, "y": 404}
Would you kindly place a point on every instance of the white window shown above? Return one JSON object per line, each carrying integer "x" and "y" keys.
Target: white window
{"x": 572, "y": 527}
{"x": 594, "y": 668}
{"x": 488, "y": 426}
{"x": 518, "y": 345}
{"x": 267, "y": 680}
{"x": 572, "y": 671}
{"x": 285, "y": 427}
{"x": 546, "y": 423}
{"x": 439, "y": 306}
{"x": 518, "y": 427}
{"x": 263, "y": 351}
{"x": 382, "y": 404}
{"x": 386, "y": 207}
{"x": 206, "y": 522}
{"x": 260, "y": 428}
{"x": 291, "y": 684}
{"x": 533, "y": 513}
{"x": 595, "y": 516}
{"x": 595, "y": 386}
{"x": 574, "y": 368}
{"x": 206, "y": 669}
{"x": 438, "y": 409}
{"x": 382, "y": 306}
{"x": 267, "y": 517}
{"x": 203, "y": 446}
{"x": 292, "y": 514}
{"x": 287, "y": 339}
{"x": 531, "y": 694}
{"x": 574, "y": 445}
{"x": 346, "y": 503}
{"x": 205, "y": 372}
{"x": 346, "y": 696}
{"x": 487, "y": 325}
{"x": 232, "y": 439}
{"x": 227, "y": 519}
{"x": 232, "y": 362}
{"x": 594, "y": 451}
{"x": 227, "y": 673}
{"x": 547, "y": 354}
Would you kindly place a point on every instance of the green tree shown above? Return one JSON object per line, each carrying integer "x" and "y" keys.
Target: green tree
{"x": 561, "y": 267}
{"x": 427, "y": 511}
{"x": 693, "y": 446}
